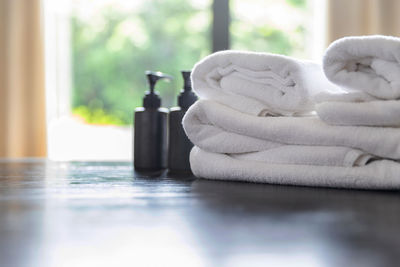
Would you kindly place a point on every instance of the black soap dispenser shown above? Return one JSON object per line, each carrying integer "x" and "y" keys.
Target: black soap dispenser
{"x": 179, "y": 144}
{"x": 150, "y": 129}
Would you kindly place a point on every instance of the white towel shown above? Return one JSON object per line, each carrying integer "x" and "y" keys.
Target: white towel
{"x": 220, "y": 129}
{"x": 260, "y": 83}
{"x": 233, "y": 145}
{"x": 365, "y": 63}
{"x": 308, "y": 155}
{"x": 374, "y": 113}
{"x": 380, "y": 174}
{"x": 368, "y": 69}
{"x": 235, "y": 140}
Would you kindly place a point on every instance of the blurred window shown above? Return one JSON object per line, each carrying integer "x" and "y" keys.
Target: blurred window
{"x": 273, "y": 26}
{"x": 114, "y": 42}
{"x": 97, "y": 52}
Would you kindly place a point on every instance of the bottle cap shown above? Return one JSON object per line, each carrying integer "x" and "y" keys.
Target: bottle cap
{"x": 187, "y": 97}
{"x": 152, "y": 98}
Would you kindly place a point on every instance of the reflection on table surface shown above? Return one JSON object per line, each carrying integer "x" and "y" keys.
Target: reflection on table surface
{"x": 105, "y": 214}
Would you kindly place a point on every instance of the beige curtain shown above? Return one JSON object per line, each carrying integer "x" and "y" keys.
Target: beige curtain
{"x": 22, "y": 91}
{"x": 362, "y": 17}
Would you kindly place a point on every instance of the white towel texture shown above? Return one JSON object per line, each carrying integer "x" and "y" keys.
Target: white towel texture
{"x": 254, "y": 122}
{"x": 260, "y": 83}
{"x": 383, "y": 174}
{"x": 368, "y": 70}
{"x": 338, "y": 156}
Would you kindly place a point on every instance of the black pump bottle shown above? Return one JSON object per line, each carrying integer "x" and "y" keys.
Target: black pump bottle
{"x": 150, "y": 129}
{"x": 179, "y": 144}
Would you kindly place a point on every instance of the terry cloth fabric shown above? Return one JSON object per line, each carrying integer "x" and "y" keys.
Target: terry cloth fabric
{"x": 217, "y": 128}
{"x": 368, "y": 70}
{"x": 260, "y": 83}
{"x": 234, "y": 145}
{"x": 380, "y": 174}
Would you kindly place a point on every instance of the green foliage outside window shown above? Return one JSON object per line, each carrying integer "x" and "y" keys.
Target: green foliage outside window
{"x": 272, "y": 26}
{"x": 112, "y": 49}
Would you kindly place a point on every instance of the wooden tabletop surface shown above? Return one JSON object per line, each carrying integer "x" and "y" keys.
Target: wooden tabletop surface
{"x": 105, "y": 214}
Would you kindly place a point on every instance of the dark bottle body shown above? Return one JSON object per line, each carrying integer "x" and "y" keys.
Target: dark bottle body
{"x": 150, "y": 139}
{"x": 179, "y": 144}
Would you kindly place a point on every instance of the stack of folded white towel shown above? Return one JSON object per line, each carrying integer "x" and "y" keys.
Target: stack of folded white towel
{"x": 274, "y": 119}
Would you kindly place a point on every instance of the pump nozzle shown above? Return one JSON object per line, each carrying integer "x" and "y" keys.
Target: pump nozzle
{"x": 154, "y": 76}
{"x": 151, "y": 99}
{"x": 187, "y": 83}
{"x": 187, "y": 97}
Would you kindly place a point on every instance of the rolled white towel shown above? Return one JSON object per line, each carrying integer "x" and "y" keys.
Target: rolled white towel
{"x": 369, "y": 64}
{"x": 368, "y": 69}
{"x": 260, "y": 83}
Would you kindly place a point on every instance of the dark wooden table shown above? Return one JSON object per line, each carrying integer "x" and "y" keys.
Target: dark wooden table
{"x": 105, "y": 214}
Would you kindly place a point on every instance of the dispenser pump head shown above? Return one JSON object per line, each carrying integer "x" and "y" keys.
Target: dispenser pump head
{"x": 152, "y": 99}
{"x": 187, "y": 97}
